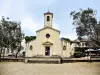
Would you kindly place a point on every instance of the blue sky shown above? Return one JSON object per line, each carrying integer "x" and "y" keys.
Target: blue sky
{"x": 30, "y": 13}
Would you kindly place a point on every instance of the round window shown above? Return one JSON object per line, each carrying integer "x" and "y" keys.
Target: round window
{"x": 47, "y": 35}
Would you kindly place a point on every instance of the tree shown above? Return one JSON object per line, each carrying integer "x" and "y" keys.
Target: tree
{"x": 66, "y": 39}
{"x": 10, "y": 35}
{"x": 29, "y": 38}
{"x": 87, "y": 25}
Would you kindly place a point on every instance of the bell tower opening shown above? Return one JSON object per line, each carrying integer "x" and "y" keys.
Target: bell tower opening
{"x": 48, "y": 16}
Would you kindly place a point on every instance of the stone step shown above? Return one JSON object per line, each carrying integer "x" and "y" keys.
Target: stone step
{"x": 43, "y": 60}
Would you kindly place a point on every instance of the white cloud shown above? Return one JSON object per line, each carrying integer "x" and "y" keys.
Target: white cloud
{"x": 16, "y": 11}
{"x": 28, "y": 25}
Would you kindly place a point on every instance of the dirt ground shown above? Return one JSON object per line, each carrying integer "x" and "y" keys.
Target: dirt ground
{"x": 20, "y": 68}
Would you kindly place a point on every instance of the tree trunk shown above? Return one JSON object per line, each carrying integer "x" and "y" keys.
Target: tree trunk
{"x": 19, "y": 49}
{"x": 1, "y": 46}
{"x": 17, "y": 54}
{"x": 0, "y": 55}
{"x": 3, "y": 53}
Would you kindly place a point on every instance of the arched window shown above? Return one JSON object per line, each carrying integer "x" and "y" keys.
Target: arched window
{"x": 64, "y": 47}
{"x": 48, "y": 18}
{"x": 31, "y": 47}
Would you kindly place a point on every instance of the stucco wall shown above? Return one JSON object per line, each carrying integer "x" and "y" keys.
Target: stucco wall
{"x": 66, "y": 52}
{"x": 30, "y": 53}
{"x": 41, "y": 38}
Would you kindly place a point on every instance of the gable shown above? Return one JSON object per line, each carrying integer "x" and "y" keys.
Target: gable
{"x": 48, "y": 28}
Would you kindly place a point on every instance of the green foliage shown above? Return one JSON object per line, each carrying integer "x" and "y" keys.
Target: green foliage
{"x": 10, "y": 34}
{"x": 84, "y": 19}
{"x": 66, "y": 39}
{"x": 29, "y": 38}
{"x": 87, "y": 24}
{"x": 80, "y": 49}
{"x": 79, "y": 54}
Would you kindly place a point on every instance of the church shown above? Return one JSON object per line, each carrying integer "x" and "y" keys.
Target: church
{"x": 48, "y": 42}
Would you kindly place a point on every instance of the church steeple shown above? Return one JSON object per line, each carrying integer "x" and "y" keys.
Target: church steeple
{"x": 48, "y": 16}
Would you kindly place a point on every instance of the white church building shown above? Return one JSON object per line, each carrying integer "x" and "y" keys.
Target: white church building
{"x": 48, "y": 41}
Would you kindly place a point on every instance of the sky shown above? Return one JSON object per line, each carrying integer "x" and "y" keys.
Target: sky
{"x": 30, "y": 14}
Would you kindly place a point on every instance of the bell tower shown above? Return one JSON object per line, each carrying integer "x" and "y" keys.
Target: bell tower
{"x": 48, "y": 16}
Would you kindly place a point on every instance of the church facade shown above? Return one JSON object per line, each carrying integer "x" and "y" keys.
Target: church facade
{"x": 48, "y": 42}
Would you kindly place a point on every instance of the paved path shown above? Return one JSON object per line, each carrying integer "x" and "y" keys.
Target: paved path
{"x": 20, "y": 68}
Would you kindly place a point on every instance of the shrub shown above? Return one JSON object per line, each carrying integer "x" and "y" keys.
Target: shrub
{"x": 79, "y": 54}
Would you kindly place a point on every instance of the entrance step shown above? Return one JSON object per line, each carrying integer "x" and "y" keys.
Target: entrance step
{"x": 48, "y": 60}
